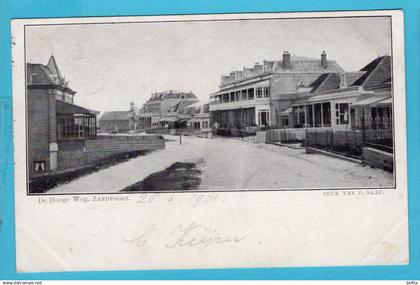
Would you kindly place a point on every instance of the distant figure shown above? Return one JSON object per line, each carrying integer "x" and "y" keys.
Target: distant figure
{"x": 216, "y": 126}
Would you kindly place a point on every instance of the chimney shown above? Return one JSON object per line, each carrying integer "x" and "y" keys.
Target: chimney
{"x": 287, "y": 64}
{"x": 324, "y": 63}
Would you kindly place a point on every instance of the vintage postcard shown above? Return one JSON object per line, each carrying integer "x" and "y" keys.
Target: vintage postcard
{"x": 210, "y": 141}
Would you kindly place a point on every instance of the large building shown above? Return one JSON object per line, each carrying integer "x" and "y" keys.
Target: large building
{"x": 257, "y": 96}
{"x": 159, "y": 109}
{"x": 52, "y": 117}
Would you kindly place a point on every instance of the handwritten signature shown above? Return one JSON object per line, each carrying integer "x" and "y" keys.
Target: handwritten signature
{"x": 190, "y": 235}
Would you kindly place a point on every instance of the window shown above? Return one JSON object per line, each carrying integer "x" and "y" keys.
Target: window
{"x": 259, "y": 92}
{"x": 326, "y": 114}
{"x": 244, "y": 95}
{"x": 40, "y": 166}
{"x": 301, "y": 115}
{"x": 267, "y": 92}
{"x": 295, "y": 113}
{"x": 344, "y": 113}
{"x": 68, "y": 98}
{"x": 318, "y": 115}
{"x": 226, "y": 98}
{"x": 232, "y": 96}
{"x": 76, "y": 126}
{"x": 263, "y": 117}
{"x": 251, "y": 94}
{"x": 285, "y": 121}
{"x": 237, "y": 95}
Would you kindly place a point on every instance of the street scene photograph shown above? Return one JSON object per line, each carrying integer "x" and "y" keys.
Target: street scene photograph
{"x": 231, "y": 104}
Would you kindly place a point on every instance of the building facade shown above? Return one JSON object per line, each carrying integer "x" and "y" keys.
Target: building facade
{"x": 114, "y": 122}
{"x": 162, "y": 107}
{"x": 257, "y": 96}
{"x": 347, "y": 100}
{"x": 199, "y": 116}
{"x": 52, "y": 117}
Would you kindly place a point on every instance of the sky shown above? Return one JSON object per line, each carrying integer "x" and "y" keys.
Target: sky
{"x": 111, "y": 65}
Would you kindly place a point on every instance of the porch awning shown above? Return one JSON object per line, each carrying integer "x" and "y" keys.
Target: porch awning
{"x": 287, "y": 111}
{"x": 385, "y": 102}
{"x": 368, "y": 102}
{"x": 69, "y": 108}
{"x": 168, "y": 119}
{"x": 148, "y": 115}
{"x": 256, "y": 84}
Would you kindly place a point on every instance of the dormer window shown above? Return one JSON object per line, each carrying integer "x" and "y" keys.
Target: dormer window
{"x": 343, "y": 83}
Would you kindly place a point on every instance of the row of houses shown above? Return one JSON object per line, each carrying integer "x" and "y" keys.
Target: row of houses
{"x": 294, "y": 92}
{"x": 170, "y": 109}
{"x": 291, "y": 93}
{"x": 298, "y": 92}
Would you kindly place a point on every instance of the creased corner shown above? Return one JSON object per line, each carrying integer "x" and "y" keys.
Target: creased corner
{"x": 392, "y": 249}
{"x": 33, "y": 254}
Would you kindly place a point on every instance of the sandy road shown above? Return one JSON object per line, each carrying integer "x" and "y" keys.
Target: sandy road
{"x": 234, "y": 164}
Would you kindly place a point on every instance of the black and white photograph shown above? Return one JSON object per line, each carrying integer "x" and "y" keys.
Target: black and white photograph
{"x": 210, "y": 141}
{"x": 210, "y": 105}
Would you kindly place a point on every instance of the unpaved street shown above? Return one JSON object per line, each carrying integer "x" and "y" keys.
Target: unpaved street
{"x": 232, "y": 164}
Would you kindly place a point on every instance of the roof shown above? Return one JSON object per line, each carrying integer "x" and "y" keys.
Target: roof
{"x": 315, "y": 84}
{"x": 171, "y": 94}
{"x": 332, "y": 81}
{"x": 53, "y": 67}
{"x": 337, "y": 93}
{"x": 115, "y": 116}
{"x": 352, "y": 76}
{"x": 40, "y": 74}
{"x": 309, "y": 65}
{"x": 240, "y": 86}
{"x": 326, "y": 81}
{"x": 298, "y": 65}
{"x": 180, "y": 106}
{"x": 198, "y": 104}
{"x": 69, "y": 108}
{"x": 371, "y": 101}
{"x": 376, "y": 72}
{"x": 388, "y": 80}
